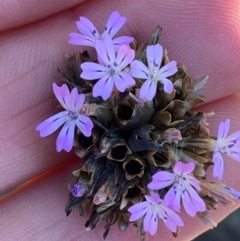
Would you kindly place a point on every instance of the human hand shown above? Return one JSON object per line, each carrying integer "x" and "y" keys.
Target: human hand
{"x": 203, "y": 36}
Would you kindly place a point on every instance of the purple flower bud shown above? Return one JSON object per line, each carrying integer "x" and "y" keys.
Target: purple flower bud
{"x": 78, "y": 189}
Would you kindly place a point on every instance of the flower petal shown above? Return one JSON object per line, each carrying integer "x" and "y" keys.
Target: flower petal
{"x": 173, "y": 219}
{"x": 139, "y": 70}
{"x": 154, "y": 56}
{"x": 161, "y": 180}
{"x": 125, "y": 56}
{"x": 63, "y": 95}
{"x": 66, "y": 137}
{"x": 148, "y": 90}
{"x": 123, "y": 40}
{"x": 79, "y": 39}
{"x": 194, "y": 182}
{"x": 192, "y": 202}
{"x": 78, "y": 102}
{"x": 105, "y": 50}
{"x": 92, "y": 71}
{"x": 183, "y": 168}
{"x": 153, "y": 198}
{"x": 103, "y": 87}
{"x": 189, "y": 205}
{"x": 87, "y": 28}
{"x": 51, "y": 124}
{"x": 233, "y": 137}
{"x": 123, "y": 81}
{"x": 168, "y": 70}
{"x": 150, "y": 222}
{"x": 173, "y": 199}
{"x": 138, "y": 210}
{"x": 235, "y": 155}
{"x": 223, "y": 129}
{"x": 114, "y": 23}
{"x": 167, "y": 85}
{"x": 85, "y": 125}
{"x": 218, "y": 165}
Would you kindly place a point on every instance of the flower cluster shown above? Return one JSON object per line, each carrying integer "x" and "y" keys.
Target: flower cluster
{"x": 144, "y": 150}
{"x": 72, "y": 102}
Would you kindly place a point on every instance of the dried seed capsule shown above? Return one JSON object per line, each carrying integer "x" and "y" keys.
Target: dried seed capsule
{"x": 119, "y": 151}
{"x": 134, "y": 166}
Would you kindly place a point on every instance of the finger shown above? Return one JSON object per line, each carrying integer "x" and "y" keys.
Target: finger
{"x": 36, "y": 212}
{"x": 31, "y": 54}
{"x": 17, "y": 13}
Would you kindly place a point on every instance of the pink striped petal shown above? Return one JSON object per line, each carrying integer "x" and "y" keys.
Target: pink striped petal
{"x": 167, "y": 85}
{"x": 173, "y": 199}
{"x": 183, "y": 168}
{"x": 161, "y": 180}
{"x": 233, "y": 137}
{"x": 153, "y": 198}
{"x": 51, "y": 124}
{"x": 148, "y": 90}
{"x": 150, "y": 222}
{"x": 87, "y": 28}
{"x": 138, "y": 210}
{"x": 223, "y": 129}
{"x": 105, "y": 50}
{"x": 192, "y": 202}
{"x": 189, "y": 205}
{"x": 114, "y": 23}
{"x": 73, "y": 97}
{"x": 120, "y": 83}
{"x": 79, "y": 39}
{"x": 77, "y": 103}
{"x": 85, "y": 125}
{"x": 168, "y": 70}
{"x": 218, "y": 165}
{"x": 194, "y": 182}
{"x": 66, "y": 137}
{"x": 173, "y": 220}
{"x": 125, "y": 56}
{"x": 139, "y": 70}
{"x": 123, "y": 40}
{"x": 154, "y": 56}
{"x": 92, "y": 71}
{"x": 63, "y": 95}
{"x": 235, "y": 155}
{"x": 123, "y": 81}
{"x": 103, "y": 87}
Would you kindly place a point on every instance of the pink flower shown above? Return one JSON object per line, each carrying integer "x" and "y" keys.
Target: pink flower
{"x": 72, "y": 103}
{"x": 183, "y": 189}
{"x": 227, "y": 145}
{"x": 153, "y": 73}
{"x": 154, "y": 208}
{"x": 90, "y": 34}
{"x": 111, "y": 72}
{"x": 78, "y": 189}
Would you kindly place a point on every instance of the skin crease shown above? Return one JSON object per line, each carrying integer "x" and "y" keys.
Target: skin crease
{"x": 202, "y": 34}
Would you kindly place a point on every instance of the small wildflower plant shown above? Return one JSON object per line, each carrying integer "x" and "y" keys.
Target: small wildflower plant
{"x": 128, "y": 114}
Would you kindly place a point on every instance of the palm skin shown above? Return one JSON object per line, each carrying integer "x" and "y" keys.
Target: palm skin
{"x": 203, "y": 35}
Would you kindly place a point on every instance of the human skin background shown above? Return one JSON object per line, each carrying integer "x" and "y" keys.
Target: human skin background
{"x": 34, "y": 35}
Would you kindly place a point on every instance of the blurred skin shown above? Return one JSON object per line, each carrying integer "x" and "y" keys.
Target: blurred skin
{"x": 34, "y": 35}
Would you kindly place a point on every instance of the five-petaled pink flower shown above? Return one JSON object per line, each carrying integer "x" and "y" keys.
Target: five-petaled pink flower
{"x": 111, "y": 72}
{"x": 227, "y": 145}
{"x": 154, "y": 208}
{"x": 184, "y": 185}
{"x": 90, "y": 34}
{"x": 153, "y": 73}
{"x": 72, "y": 103}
